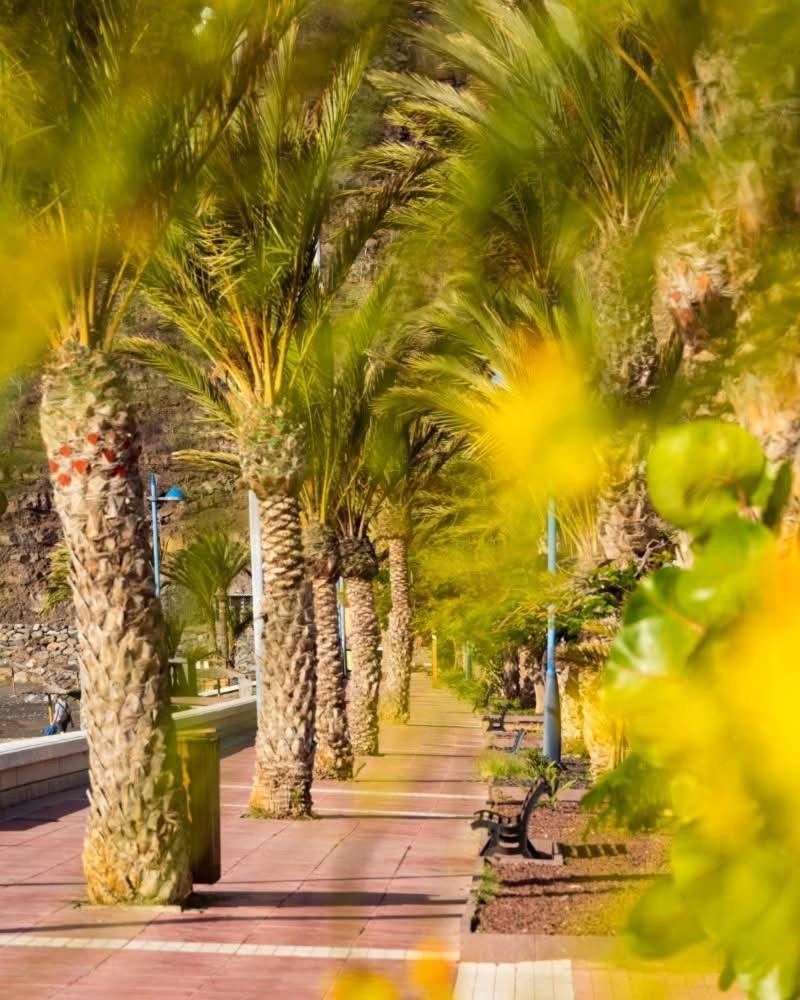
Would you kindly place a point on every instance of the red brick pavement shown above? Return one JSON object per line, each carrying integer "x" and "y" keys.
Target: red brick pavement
{"x": 386, "y": 869}
{"x": 387, "y": 866}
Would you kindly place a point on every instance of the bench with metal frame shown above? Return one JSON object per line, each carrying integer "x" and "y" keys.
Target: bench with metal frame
{"x": 516, "y": 746}
{"x": 496, "y": 721}
{"x": 509, "y": 834}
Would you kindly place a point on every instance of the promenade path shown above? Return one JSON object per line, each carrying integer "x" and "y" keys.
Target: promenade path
{"x": 383, "y": 873}
{"x": 377, "y": 883}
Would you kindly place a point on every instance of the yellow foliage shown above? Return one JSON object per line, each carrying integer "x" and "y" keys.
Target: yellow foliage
{"x": 361, "y": 984}
{"x": 540, "y": 426}
{"x": 431, "y": 974}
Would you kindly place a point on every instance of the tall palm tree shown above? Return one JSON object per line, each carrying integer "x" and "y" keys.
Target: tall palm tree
{"x": 241, "y": 281}
{"x": 354, "y": 363}
{"x": 335, "y": 390}
{"x": 553, "y": 161}
{"x": 117, "y": 103}
{"x": 414, "y": 453}
{"x": 723, "y": 261}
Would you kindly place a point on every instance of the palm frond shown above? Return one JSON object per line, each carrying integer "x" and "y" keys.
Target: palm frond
{"x": 184, "y": 373}
{"x": 213, "y": 461}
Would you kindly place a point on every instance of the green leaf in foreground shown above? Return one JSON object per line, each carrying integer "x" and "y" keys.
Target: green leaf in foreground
{"x": 698, "y": 473}
{"x": 659, "y": 924}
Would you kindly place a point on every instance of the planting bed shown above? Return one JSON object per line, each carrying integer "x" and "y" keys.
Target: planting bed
{"x": 590, "y": 894}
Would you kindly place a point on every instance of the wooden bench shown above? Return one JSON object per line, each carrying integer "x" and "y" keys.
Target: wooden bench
{"x": 516, "y": 746}
{"x": 509, "y": 834}
{"x": 496, "y": 723}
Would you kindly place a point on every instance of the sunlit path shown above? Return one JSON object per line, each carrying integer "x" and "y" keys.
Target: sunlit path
{"x": 381, "y": 876}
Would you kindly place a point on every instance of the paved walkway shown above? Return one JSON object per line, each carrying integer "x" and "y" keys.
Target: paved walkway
{"x": 376, "y": 885}
{"x": 382, "y": 877}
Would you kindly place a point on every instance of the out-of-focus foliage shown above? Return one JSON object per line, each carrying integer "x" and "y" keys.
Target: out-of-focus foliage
{"x": 634, "y": 796}
{"x": 430, "y": 971}
{"x": 109, "y": 109}
{"x": 701, "y": 672}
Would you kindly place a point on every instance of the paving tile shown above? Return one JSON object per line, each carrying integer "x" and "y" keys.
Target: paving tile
{"x": 297, "y": 902}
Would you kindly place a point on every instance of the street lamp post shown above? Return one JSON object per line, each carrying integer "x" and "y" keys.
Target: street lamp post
{"x": 340, "y": 595}
{"x": 172, "y": 495}
{"x": 257, "y": 578}
{"x": 552, "y": 701}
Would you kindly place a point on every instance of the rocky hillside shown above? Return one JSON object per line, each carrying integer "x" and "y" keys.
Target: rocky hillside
{"x": 29, "y": 529}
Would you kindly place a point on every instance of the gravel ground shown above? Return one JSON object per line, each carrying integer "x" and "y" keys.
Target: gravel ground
{"x": 602, "y": 877}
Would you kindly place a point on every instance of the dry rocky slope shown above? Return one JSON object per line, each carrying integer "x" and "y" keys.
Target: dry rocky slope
{"x": 29, "y": 529}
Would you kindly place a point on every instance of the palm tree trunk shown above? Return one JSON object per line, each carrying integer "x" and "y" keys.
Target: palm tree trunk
{"x": 285, "y": 736}
{"x": 510, "y": 675}
{"x": 530, "y": 675}
{"x": 135, "y": 849}
{"x": 224, "y": 642}
{"x": 628, "y": 530}
{"x": 334, "y": 754}
{"x": 360, "y": 567}
{"x": 400, "y": 636}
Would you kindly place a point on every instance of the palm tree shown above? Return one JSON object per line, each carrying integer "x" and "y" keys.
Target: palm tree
{"x": 722, "y": 259}
{"x": 115, "y": 106}
{"x": 414, "y": 452}
{"x": 241, "y": 280}
{"x": 555, "y": 154}
{"x": 356, "y": 359}
{"x": 334, "y": 390}
{"x": 395, "y": 527}
{"x": 204, "y": 570}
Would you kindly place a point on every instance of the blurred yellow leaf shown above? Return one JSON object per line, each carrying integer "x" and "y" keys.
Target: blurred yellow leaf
{"x": 362, "y": 984}
{"x": 433, "y": 975}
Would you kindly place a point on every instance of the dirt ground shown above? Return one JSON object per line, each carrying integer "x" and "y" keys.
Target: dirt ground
{"x": 603, "y": 875}
{"x": 21, "y": 716}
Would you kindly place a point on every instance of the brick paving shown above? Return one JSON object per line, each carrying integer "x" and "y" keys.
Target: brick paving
{"x": 377, "y": 883}
{"x": 381, "y": 877}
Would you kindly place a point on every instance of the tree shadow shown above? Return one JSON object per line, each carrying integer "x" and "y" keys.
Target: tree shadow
{"x": 592, "y": 850}
{"x": 23, "y": 817}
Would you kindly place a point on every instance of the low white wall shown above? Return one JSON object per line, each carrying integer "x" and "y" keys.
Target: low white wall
{"x": 30, "y": 769}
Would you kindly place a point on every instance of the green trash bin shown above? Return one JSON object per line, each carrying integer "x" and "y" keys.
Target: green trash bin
{"x": 198, "y": 750}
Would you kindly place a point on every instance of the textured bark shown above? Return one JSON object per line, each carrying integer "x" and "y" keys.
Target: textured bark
{"x": 360, "y": 567}
{"x": 530, "y": 675}
{"x": 767, "y": 403}
{"x": 571, "y": 706}
{"x": 136, "y": 848}
{"x": 272, "y": 455}
{"x": 334, "y": 754}
{"x": 626, "y": 346}
{"x": 510, "y": 675}
{"x": 400, "y": 636}
{"x": 627, "y": 527}
{"x": 285, "y": 736}
{"x": 602, "y": 734}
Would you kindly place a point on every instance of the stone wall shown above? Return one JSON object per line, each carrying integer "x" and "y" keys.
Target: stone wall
{"x": 45, "y": 655}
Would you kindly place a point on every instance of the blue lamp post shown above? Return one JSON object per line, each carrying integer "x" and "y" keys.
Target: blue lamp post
{"x": 340, "y": 595}
{"x": 552, "y": 701}
{"x": 257, "y": 577}
{"x": 172, "y": 495}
